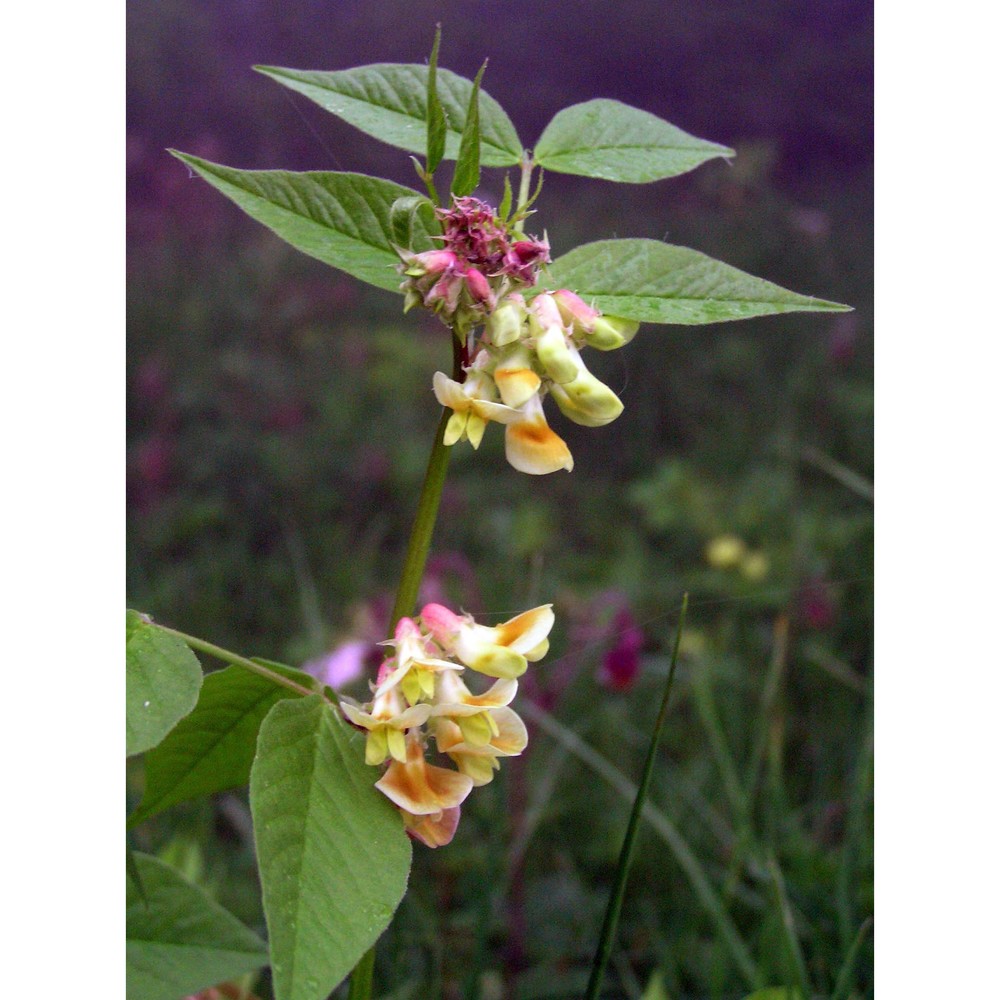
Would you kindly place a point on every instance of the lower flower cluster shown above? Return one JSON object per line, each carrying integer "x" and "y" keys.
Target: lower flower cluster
{"x": 420, "y": 695}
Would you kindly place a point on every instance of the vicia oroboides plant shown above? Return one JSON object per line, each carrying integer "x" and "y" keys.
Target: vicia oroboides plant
{"x": 339, "y": 789}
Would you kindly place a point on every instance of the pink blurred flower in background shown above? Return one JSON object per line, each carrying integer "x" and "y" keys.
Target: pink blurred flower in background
{"x": 620, "y": 666}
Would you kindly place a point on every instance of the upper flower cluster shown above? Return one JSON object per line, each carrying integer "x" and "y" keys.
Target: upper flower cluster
{"x": 421, "y": 684}
{"x": 525, "y": 351}
{"x": 480, "y": 261}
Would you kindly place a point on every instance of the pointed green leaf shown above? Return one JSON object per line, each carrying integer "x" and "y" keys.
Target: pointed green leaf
{"x": 340, "y": 219}
{"x": 387, "y": 101}
{"x": 212, "y": 749}
{"x": 162, "y": 678}
{"x": 654, "y": 282}
{"x": 466, "y": 178}
{"x": 437, "y": 126}
{"x": 333, "y": 856}
{"x": 507, "y": 201}
{"x": 616, "y": 142}
{"x": 182, "y": 941}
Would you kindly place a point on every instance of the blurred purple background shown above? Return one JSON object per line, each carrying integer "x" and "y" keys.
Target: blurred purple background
{"x": 792, "y": 73}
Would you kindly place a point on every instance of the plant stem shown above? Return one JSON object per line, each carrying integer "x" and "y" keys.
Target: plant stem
{"x": 409, "y": 587}
{"x": 524, "y": 191}
{"x": 423, "y": 526}
{"x": 427, "y": 508}
{"x": 241, "y": 661}
{"x": 613, "y": 911}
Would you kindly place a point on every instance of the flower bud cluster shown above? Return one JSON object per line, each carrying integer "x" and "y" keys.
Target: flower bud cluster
{"x": 529, "y": 350}
{"x": 480, "y": 261}
{"x": 420, "y": 695}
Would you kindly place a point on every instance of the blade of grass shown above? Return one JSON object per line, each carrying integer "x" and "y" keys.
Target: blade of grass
{"x": 708, "y": 712}
{"x": 671, "y": 836}
{"x": 793, "y": 947}
{"x": 852, "y": 480}
{"x": 769, "y": 697}
{"x": 845, "y": 978}
{"x": 854, "y": 831}
{"x": 613, "y": 912}
{"x": 610, "y": 926}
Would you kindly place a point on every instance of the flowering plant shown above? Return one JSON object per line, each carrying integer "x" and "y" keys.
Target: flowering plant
{"x": 338, "y": 788}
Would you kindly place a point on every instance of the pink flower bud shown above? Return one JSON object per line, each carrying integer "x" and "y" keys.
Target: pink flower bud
{"x": 545, "y": 312}
{"x": 442, "y": 624}
{"x": 479, "y": 288}
{"x": 437, "y": 261}
{"x": 522, "y": 261}
{"x": 574, "y": 311}
{"x": 445, "y": 293}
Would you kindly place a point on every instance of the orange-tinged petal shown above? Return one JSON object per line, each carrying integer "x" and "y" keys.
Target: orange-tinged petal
{"x": 434, "y": 830}
{"x": 525, "y": 632}
{"x": 533, "y": 447}
{"x": 510, "y": 740}
{"x": 421, "y": 788}
{"x": 517, "y": 385}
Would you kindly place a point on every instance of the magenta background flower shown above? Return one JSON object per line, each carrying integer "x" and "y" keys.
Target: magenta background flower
{"x": 620, "y": 666}
{"x": 346, "y": 663}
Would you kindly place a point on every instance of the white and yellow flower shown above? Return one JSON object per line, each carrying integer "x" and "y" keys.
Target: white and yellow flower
{"x": 497, "y": 651}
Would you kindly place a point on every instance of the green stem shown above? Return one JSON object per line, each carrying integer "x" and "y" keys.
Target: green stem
{"x": 431, "y": 189}
{"x": 409, "y": 588}
{"x": 241, "y": 661}
{"x": 613, "y": 911}
{"x": 423, "y": 526}
{"x": 524, "y": 191}
{"x": 427, "y": 509}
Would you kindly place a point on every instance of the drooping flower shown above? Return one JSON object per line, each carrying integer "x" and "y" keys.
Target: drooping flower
{"x": 387, "y": 722}
{"x": 532, "y": 446}
{"x": 430, "y": 654}
{"x": 497, "y": 651}
{"x": 473, "y": 714}
{"x": 474, "y": 403}
{"x": 479, "y": 758}
{"x": 414, "y": 667}
{"x": 419, "y": 788}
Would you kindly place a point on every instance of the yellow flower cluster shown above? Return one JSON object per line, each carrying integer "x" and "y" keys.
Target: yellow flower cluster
{"x": 526, "y": 352}
{"x": 421, "y": 685}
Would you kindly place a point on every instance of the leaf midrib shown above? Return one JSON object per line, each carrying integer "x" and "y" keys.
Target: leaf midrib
{"x": 403, "y": 114}
{"x": 673, "y": 298}
{"x": 256, "y": 953}
{"x": 637, "y": 145}
{"x": 309, "y": 175}
{"x": 141, "y": 814}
